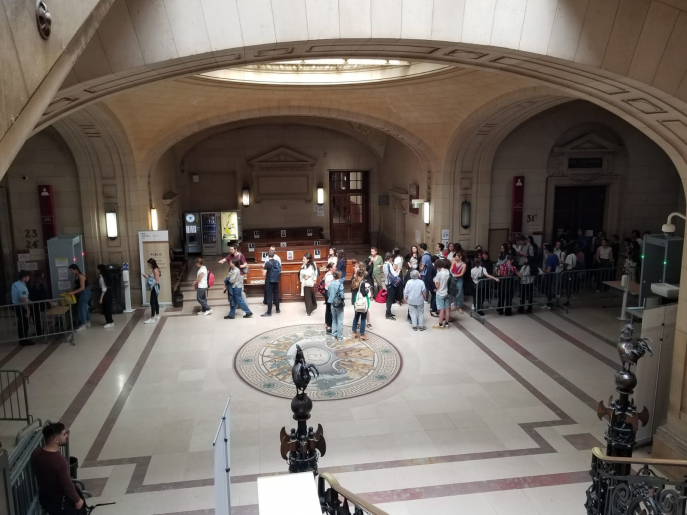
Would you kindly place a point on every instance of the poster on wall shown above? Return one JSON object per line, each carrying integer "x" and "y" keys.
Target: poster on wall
{"x": 309, "y": 232}
{"x": 251, "y": 247}
{"x": 444, "y": 234}
{"x": 320, "y": 210}
{"x": 283, "y": 233}
{"x": 256, "y": 234}
{"x": 413, "y": 193}
{"x": 289, "y": 255}
{"x": 155, "y": 244}
{"x": 282, "y": 244}
{"x": 318, "y": 255}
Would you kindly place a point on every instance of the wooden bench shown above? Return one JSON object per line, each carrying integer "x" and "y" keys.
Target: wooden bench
{"x": 248, "y": 248}
{"x": 290, "y": 233}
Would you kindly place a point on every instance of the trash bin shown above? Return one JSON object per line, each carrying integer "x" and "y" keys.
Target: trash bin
{"x": 73, "y": 466}
{"x": 178, "y": 299}
{"x": 117, "y": 301}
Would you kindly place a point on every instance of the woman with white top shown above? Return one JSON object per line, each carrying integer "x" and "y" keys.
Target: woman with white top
{"x": 527, "y": 273}
{"x": 201, "y": 285}
{"x": 153, "y": 286}
{"x": 332, "y": 256}
{"x": 603, "y": 259}
{"x": 398, "y": 263}
{"x": 308, "y": 275}
{"x": 105, "y": 282}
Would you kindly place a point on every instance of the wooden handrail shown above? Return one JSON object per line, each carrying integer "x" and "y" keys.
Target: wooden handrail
{"x": 598, "y": 453}
{"x": 334, "y": 483}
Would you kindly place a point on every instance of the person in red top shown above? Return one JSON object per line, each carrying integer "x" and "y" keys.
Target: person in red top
{"x": 507, "y": 286}
{"x": 235, "y": 253}
{"x": 56, "y": 492}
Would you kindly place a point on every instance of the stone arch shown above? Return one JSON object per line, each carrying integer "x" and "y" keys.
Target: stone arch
{"x": 107, "y": 179}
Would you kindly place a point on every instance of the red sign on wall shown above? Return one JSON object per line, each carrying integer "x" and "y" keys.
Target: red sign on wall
{"x": 517, "y": 206}
{"x": 47, "y": 209}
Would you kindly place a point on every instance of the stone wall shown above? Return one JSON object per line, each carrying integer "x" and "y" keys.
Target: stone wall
{"x": 401, "y": 168}
{"x": 221, "y": 164}
{"x": 648, "y": 185}
{"x": 44, "y": 159}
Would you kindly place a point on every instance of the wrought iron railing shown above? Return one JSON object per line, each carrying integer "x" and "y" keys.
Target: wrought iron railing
{"x": 336, "y": 500}
{"x": 617, "y": 490}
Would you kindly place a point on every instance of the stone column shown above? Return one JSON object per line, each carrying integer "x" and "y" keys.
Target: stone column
{"x": 670, "y": 441}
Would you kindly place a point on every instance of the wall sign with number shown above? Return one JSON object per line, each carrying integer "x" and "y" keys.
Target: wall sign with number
{"x": 31, "y": 236}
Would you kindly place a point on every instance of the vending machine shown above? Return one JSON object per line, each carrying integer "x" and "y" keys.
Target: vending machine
{"x": 231, "y": 229}
{"x": 192, "y": 243}
{"x": 210, "y": 227}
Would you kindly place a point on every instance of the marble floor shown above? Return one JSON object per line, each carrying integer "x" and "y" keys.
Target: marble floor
{"x": 483, "y": 419}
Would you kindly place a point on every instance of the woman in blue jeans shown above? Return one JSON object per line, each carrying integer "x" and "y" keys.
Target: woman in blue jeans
{"x": 83, "y": 294}
{"x": 458, "y": 269}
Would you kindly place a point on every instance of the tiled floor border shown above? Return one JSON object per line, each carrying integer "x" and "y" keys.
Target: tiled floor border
{"x": 586, "y": 329}
{"x": 543, "y": 447}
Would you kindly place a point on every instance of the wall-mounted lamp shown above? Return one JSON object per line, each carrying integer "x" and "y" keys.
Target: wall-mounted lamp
{"x": 153, "y": 219}
{"x": 320, "y": 196}
{"x": 111, "y": 224}
{"x": 425, "y": 212}
{"x": 245, "y": 197}
{"x": 465, "y": 214}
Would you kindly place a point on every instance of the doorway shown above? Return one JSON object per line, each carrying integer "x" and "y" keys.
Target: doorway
{"x": 578, "y": 207}
{"x": 349, "y": 201}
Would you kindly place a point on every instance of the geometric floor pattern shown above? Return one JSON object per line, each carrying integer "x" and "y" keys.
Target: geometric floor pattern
{"x": 347, "y": 369}
{"x": 493, "y": 419}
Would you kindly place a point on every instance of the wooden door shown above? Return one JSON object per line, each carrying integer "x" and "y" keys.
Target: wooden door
{"x": 349, "y": 212}
{"x": 578, "y": 207}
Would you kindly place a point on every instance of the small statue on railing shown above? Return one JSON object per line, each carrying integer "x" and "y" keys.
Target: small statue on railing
{"x": 300, "y": 447}
{"x": 623, "y": 418}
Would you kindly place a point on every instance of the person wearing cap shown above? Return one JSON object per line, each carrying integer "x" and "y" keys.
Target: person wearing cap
{"x": 20, "y": 299}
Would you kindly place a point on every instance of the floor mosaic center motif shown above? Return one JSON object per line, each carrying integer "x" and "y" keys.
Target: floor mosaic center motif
{"x": 347, "y": 369}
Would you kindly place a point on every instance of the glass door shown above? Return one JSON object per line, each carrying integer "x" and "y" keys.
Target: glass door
{"x": 348, "y": 196}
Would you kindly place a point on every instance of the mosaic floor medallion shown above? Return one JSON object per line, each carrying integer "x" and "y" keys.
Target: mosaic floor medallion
{"x": 347, "y": 369}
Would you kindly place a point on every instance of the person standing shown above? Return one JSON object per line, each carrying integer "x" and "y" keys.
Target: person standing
{"x": 507, "y": 272}
{"x": 201, "y": 285}
{"x": 527, "y": 274}
{"x": 341, "y": 264}
{"x": 236, "y": 284}
{"x": 604, "y": 260}
{"x": 439, "y": 250}
{"x": 550, "y": 266}
{"x": 331, "y": 258}
{"x": 272, "y": 274}
{"x": 458, "y": 269}
{"x": 360, "y": 291}
{"x": 57, "y": 494}
{"x": 20, "y": 299}
{"x": 83, "y": 293}
{"x": 153, "y": 286}
{"x": 308, "y": 276}
{"x": 398, "y": 264}
{"x": 416, "y": 294}
{"x": 377, "y": 263}
{"x": 478, "y": 273}
{"x": 335, "y": 297}
{"x": 392, "y": 280}
{"x": 328, "y": 278}
{"x": 105, "y": 301}
{"x": 524, "y": 250}
{"x": 38, "y": 296}
{"x": 441, "y": 283}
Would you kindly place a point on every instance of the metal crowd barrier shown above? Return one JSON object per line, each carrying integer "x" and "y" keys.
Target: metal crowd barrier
{"x": 555, "y": 290}
{"x": 41, "y": 319}
{"x": 14, "y": 397}
{"x": 22, "y": 479}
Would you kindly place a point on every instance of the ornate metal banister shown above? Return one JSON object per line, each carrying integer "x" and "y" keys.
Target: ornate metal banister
{"x": 331, "y": 499}
{"x": 641, "y": 493}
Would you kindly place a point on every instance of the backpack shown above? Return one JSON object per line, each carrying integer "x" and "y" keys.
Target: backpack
{"x": 394, "y": 280}
{"x": 360, "y": 300}
{"x": 211, "y": 279}
{"x": 275, "y": 271}
{"x": 338, "y": 301}
{"x": 321, "y": 288}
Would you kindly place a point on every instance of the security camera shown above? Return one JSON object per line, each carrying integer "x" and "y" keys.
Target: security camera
{"x": 183, "y": 167}
{"x": 24, "y": 177}
{"x": 669, "y": 228}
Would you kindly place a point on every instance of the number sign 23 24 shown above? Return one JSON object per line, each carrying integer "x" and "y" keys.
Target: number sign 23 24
{"x": 31, "y": 233}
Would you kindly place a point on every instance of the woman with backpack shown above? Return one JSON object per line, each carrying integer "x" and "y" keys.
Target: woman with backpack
{"x": 308, "y": 276}
{"x": 360, "y": 290}
{"x": 201, "y": 286}
{"x": 153, "y": 286}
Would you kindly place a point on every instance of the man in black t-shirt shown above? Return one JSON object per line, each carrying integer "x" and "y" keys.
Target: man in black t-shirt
{"x": 271, "y": 271}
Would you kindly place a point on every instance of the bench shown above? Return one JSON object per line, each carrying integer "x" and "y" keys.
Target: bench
{"x": 291, "y": 233}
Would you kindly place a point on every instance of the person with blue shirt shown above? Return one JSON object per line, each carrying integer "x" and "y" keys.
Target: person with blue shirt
{"x": 335, "y": 297}
{"x": 20, "y": 299}
{"x": 551, "y": 263}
